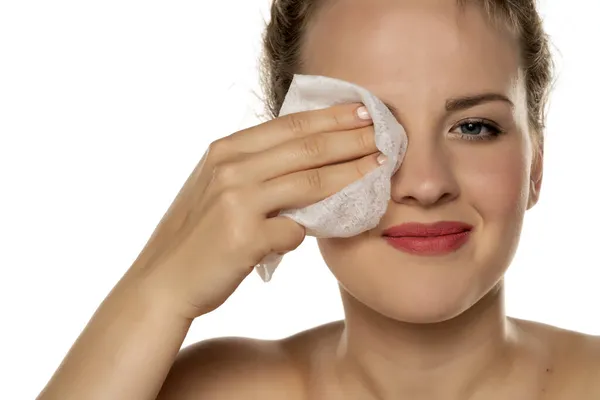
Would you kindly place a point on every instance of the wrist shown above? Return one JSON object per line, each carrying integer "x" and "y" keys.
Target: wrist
{"x": 153, "y": 294}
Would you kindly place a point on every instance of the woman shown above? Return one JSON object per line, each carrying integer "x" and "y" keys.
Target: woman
{"x": 424, "y": 317}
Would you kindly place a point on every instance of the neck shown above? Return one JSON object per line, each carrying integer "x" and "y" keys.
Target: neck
{"x": 384, "y": 358}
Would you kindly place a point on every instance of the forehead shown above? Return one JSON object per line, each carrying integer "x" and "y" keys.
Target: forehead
{"x": 396, "y": 45}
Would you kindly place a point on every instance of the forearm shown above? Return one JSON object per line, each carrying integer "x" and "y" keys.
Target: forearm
{"x": 125, "y": 351}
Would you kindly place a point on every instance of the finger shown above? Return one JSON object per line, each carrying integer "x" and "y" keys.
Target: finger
{"x": 302, "y": 154}
{"x": 284, "y": 234}
{"x": 340, "y": 117}
{"x": 304, "y": 188}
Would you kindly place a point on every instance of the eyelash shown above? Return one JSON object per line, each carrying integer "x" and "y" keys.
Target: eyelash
{"x": 494, "y": 130}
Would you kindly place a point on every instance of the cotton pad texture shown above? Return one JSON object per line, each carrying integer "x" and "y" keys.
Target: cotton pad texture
{"x": 359, "y": 206}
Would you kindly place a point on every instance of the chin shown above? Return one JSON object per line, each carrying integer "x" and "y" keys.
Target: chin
{"x": 416, "y": 303}
{"x": 423, "y": 293}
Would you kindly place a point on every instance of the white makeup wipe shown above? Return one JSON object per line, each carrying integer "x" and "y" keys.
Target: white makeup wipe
{"x": 359, "y": 206}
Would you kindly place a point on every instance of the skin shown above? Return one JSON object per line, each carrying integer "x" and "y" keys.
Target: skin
{"x": 486, "y": 183}
{"x": 421, "y": 327}
{"x": 415, "y": 327}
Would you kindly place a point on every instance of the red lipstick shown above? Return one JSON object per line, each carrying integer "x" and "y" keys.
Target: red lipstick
{"x": 428, "y": 239}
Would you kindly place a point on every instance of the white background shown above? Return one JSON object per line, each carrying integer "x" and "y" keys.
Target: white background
{"x": 105, "y": 108}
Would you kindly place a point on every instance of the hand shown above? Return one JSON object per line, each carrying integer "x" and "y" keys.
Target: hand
{"x": 224, "y": 219}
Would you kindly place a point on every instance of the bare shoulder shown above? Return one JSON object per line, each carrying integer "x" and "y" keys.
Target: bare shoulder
{"x": 573, "y": 358}
{"x": 229, "y": 368}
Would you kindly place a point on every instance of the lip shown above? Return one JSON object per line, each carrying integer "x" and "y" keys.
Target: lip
{"x": 428, "y": 239}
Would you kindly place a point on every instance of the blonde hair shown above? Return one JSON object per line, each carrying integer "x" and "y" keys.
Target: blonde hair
{"x": 284, "y": 35}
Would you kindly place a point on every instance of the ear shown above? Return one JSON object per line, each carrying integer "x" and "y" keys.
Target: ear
{"x": 537, "y": 173}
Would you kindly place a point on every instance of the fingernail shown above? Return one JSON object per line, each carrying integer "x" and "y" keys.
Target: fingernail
{"x": 363, "y": 113}
{"x": 381, "y": 158}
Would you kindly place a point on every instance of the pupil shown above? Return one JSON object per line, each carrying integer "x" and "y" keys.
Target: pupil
{"x": 472, "y": 128}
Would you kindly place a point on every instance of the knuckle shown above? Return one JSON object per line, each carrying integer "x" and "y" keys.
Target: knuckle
{"x": 337, "y": 120}
{"x": 314, "y": 179}
{"x": 366, "y": 139}
{"x": 225, "y": 174}
{"x": 298, "y": 123}
{"x": 218, "y": 149}
{"x": 313, "y": 146}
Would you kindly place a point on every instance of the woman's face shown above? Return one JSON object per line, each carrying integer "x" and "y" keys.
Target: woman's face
{"x": 417, "y": 56}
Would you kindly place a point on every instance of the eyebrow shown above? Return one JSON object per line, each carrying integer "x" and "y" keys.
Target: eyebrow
{"x": 465, "y": 102}
{"x": 461, "y": 103}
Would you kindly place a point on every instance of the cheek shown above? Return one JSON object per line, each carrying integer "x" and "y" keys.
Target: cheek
{"x": 495, "y": 180}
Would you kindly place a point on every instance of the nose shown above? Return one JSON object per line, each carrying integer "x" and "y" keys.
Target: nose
{"x": 426, "y": 177}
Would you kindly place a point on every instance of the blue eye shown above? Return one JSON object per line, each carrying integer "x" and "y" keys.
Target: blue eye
{"x": 477, "y": 130}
